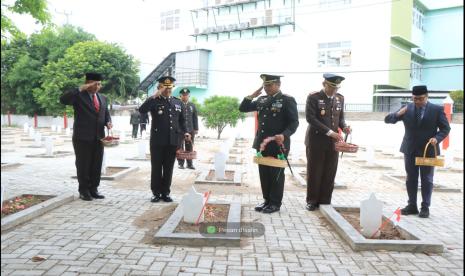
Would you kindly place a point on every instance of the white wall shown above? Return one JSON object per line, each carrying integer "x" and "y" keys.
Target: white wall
{"x": 366, "y": 26}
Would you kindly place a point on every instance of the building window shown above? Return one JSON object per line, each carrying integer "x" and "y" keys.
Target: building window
{"x": 169, "y": 20}
{"x": 418, "y": 18}
{"x": 334, "y": 54}
{"x": 334, "y": 3}
{"x": 416, "y": 70}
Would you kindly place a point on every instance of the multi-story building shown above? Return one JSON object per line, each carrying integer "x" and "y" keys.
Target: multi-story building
{"x": 381, "y": 47}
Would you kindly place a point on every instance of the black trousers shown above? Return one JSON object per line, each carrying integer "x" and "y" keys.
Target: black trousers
{"x": 187, "y": 146}
{"x": 272, "y": 182}
{"x": 89, "y": 157}
{"x": 321, "y": 171}
{"x": 142, "y": 128}
{"x": 426, "y": 174}
{"x": 162, "y": 159}
{"x": 135, "y": 128}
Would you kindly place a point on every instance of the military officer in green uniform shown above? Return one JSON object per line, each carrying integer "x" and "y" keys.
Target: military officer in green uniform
{"x": 325, "y": 114}
{"x": 277, "y": 117}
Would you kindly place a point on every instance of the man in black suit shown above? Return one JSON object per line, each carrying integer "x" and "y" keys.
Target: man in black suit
{"x": 278, "y": 118}
{"x": 324, "y": 112}
{"x": 192, "y": 126}
{"x": 424, "y": 123}
{"x": 168, "y": 125}
{"x": 90, "y": 118}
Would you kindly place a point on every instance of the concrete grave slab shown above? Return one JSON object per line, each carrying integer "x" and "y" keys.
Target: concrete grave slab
{"x": 400, "y": 180}
{"x": 364, "y": 164}
{"x": 137, "y": 158}
{"x": 119, "y": 173}
{"x": 202, "y": 178}
{"x": 300, "y": 177}
{"x": 13, "y": 220}
{"x": 167, "y": 235}
{"x": 7, "y": 165}
{"x": 412, "y": 243}
{"x": 55, "y": 154}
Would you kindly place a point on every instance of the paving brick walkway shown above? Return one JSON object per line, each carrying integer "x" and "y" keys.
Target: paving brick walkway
{"x": 102, "y": 238}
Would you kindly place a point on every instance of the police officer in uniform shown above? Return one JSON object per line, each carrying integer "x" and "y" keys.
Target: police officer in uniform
{"x": 167, "y": 127}
{"x": 192, "y": 126}
{"x": 325, "y": 113}
{"x": 278, "y": 117}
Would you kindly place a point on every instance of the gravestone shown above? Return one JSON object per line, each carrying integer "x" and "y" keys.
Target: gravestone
{"x": 31, "y": 132}
{"x": 37, "y": 139}
{"x": 192, "y": 204}
{"x": 25, "y": 128}
{"x": 48, "y": 146}
{"x": 220, "y": 165}
{"x": 141, "y": 146}
{"x": 371, "y": 213}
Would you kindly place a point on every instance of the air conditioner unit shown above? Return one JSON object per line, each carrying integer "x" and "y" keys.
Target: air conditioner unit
{"x": 420, "y": 52}
{"x": 196, "y": 31}
{"x": 253, "y": 21}
{"x": 288, "y": 19}
{"x": 244, "y": 25}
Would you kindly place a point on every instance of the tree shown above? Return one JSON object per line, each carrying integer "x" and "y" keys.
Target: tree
{"x": 23, "y": 60}
{"x": 220, "y": 111}
{"x": 120, "y": 73}
{"x": 457, "y": 97}
{"x": 36, "y": 8}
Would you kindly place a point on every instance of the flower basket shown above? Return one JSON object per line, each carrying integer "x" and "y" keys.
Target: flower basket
{"x": 435, "y": 161}
{"x": 188, "y": 155}
{"x": 269, "y": 161}
{"x": 279, "y": 162}
{"x": 110, "y": 140}
{"x": 342, "y": 146}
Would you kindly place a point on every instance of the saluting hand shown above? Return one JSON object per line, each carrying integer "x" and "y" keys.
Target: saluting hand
{"x": 159, "y": 92}
{"x": 86, "y": 86}
{"x": 257, "y": 92}
{"x": 402, "y": 111}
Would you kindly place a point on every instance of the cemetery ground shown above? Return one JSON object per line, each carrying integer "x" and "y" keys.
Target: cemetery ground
{"x": 114, "y": 236}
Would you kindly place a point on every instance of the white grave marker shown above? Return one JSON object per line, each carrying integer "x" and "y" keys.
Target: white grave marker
{"x": 49, "y": 146}
{"x": 220, "y": 165}
{"x": 371, "y": 213}
{"x": 192, "y": 205}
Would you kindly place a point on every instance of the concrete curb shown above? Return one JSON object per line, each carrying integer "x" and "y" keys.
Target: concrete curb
{"x": 436, "y": 187}
{"x": 358, "y": 242}
{"x": 167, "y": 236}
{"x": 23, "y": 216}
{"x": 237, "y": 179}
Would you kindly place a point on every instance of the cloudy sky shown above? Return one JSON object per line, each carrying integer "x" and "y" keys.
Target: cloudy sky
{"x": 134, "y": 24}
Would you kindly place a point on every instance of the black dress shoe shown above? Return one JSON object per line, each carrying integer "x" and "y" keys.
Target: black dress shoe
{"x": 181, "y": 167}
{"x": 191, "y": 167}
{"x": 166, "y": 198}
{"x": 312, "y": 206}
{"x": 85, "y": 196}
{"x": 97, "y": 195}
{"x": 270, "y": 209}
{"x": 155, "y": 198}
{"x": 424, "y": 212}
{"x": 409, "y": 210}
{"x": 261, "y": 206}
